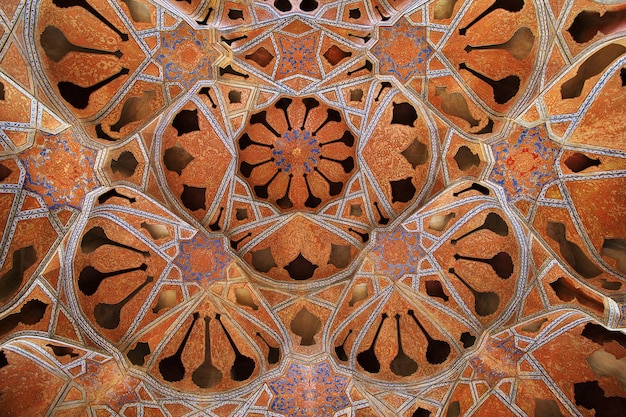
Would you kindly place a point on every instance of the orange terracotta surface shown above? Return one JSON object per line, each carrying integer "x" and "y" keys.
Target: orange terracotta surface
{"x": 312, "y": 208}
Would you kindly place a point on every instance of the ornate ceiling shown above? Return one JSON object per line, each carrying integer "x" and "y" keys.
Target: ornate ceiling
{"x": 312, "y": 208}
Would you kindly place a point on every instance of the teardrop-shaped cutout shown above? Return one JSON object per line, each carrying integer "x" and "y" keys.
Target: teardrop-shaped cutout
{"x": 261, "y": 56}
{"x": 466, "y": 159}
{"x": 301, "y": 268}
{"x": 416, "y": 153}
{"x": 186, "y": 121}
{"x": 193, "y": 197}
{"x": 263, "y": 260}
{"x": 404, "y": 114}
{"x": 176, "y": 159}
{"x": 137, "y": 356}
{"x": 244, "y": 298}
{"x": 435, "y": 289}
{"x": 125, "y": 164}
{"x": 339, "y": 255}
{"x": 403, "y": 190}
{"x": 306, "y": 325}
{"x": 334, "y": 55}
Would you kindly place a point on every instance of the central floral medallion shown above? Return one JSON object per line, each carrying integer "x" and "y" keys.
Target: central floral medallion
{"x": 402, "y": 50}
{"x": 297, "y": 152}
{"x": 293, "y": 160}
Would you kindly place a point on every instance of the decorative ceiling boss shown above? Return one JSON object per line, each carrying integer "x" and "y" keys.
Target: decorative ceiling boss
{"x": 312, "y": 208}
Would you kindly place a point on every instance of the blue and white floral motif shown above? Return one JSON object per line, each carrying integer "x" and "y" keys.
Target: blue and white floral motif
{"x": 405, "y": 61}
{"x": 60, "y": 187}
{"x": 296, "y": 139}
{"x": 498, "y": 361}
{"x": 309, "y": 391}
{"x": 297, "y": 56}
{"x": 202, "y": 260}
{"x": 525, "y": 163}
{"x": 397, "y": 253}
{"x": 186, "y": 55}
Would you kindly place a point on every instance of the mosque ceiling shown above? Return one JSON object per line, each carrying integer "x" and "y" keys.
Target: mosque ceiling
{"x": 312, "y": 208}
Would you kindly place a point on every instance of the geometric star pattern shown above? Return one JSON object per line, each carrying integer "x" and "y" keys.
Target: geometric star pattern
{"x": 300, "y": 208}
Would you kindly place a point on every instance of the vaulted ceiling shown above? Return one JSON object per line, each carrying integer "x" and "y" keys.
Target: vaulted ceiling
{"x": 312, "y": 208}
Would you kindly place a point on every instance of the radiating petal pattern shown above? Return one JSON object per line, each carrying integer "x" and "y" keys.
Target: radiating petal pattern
{"x": 312, "y": 208}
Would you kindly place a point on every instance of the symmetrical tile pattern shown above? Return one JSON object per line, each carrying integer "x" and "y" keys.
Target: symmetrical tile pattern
{"x": 302, "y": 208}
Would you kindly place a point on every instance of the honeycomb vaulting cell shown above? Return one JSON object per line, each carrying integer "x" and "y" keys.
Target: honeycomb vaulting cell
{"x": 312, "y": 208}
{"x": 298, "y": 153}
